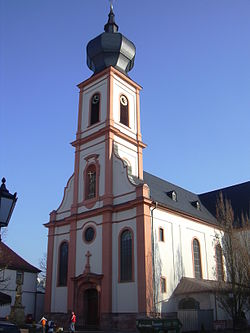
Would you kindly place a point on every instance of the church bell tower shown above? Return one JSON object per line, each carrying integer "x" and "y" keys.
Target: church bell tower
{"x": 100, "y": 200}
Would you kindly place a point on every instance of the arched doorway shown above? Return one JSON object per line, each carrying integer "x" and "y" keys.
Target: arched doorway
{"x": 87, "y": 299}
{"x": 91, "y": 307}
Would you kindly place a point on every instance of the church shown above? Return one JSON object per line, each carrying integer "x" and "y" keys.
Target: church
{"x": 123, "y": 243}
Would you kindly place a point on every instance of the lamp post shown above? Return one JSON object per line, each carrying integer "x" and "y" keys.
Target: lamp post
{"x": 7, "y": 204}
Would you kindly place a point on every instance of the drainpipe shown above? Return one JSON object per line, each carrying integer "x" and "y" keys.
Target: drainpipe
{"x": 215, "y": 305}
{"x": 153, "y": 251}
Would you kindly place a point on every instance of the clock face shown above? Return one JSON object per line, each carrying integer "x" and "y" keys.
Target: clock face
{"x": 124, "y": 100}
{"x": 95, "y": 99}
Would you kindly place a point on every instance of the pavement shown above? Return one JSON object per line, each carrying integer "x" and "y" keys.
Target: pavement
{"x": 85, "y": 331}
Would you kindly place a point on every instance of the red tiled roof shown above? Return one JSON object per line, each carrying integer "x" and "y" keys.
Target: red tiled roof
{"x": 9, "y": 259}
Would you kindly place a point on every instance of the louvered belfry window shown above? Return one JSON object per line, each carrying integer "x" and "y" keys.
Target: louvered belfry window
{"x": 126, "y": 256}
{"x": 124, "y": 110}
{"x": 95, "y": 109}
{"x": 63, "y": 264}
{"x": 197, "y": 259}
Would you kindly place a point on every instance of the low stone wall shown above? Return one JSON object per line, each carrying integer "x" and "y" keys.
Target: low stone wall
{"x": 118, "y": 322}
{"x": 108, "y": 322}
{"x": 60, "y": 319}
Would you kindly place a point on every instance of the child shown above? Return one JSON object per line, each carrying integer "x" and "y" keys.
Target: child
{"x": 51, "y": 326}
{"x": 43, "y": 321}
{"x": 72, "y": 322}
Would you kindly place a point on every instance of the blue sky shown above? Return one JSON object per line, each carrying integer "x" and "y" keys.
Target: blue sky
{"x": 193, "y": 62}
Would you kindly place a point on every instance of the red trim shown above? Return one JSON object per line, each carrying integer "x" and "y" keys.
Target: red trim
{"x": 119, "y": 255}
{"x": 99, "y": 211}
{"x": 79, "y": 128}
{"x": 49, "y": 273}
{"x": 109, "y": 137}
{"x": 77, "y": 158}
{"x": 144, "y": 254}
{"x": 109, "y": 111}
{"x": 139, "y": 138}
{"x": 108, "y": 71}
{"x": 106, "y": 300}
{"x": 108, "y": 130}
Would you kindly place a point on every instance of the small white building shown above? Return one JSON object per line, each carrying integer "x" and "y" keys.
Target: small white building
{"x": 13, "y": 269}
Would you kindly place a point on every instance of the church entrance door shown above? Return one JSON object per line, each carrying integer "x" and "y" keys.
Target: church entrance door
{"x": 91, "y": 307}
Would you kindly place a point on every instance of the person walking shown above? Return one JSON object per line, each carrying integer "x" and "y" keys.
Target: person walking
{"x": 43, "y": 321}
{"x": 51, "y": 326}
{"x": 72, "y": 322}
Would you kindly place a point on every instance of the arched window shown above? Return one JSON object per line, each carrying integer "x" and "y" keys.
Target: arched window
{"x": 188, "y": 303}
{"x": 126, "y": 256}
{"x": 63, "y": 264}
{"x": 197, "y": 259}
{"x": 219, "y": 263}
{"x": 124, "y": 110}
{"x": 95, "y": 107}
{"x": 91, "y": 182}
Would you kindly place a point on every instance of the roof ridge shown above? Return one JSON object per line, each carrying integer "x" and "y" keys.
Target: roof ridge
{"x": 16, "y": 261}
{"x": 182, "y": 188}
{"x": 226, "y": 188}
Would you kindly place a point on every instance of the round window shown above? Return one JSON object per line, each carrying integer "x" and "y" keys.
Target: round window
{"x": 89, "y": 234}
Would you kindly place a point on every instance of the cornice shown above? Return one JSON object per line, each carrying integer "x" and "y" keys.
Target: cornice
{"x": 102, "y": 132}
{"x": 108, "y": 71}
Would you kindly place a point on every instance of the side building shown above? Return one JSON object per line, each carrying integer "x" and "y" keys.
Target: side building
{"x": 14, "y": 270}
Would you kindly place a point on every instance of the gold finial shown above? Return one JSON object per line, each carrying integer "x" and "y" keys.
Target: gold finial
{"x": 111, "y": 4}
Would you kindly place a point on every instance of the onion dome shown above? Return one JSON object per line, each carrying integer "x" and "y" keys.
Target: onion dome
{"x": 110, "y": 48}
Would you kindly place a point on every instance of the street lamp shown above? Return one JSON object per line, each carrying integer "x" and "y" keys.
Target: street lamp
{"x": 7, "y": 204}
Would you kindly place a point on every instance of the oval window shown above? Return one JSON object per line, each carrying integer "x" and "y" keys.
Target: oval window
{"x": 89, "y": 234}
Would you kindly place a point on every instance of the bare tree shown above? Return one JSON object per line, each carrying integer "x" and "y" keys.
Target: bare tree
{"x": 235, "y": 238}
{"x": 42, "y": 274}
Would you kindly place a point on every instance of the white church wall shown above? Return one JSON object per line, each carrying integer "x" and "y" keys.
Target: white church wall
{"x": 122, "y": 186}
{"x": 128, "y": 152}
{"x": 173, "y": 257}
{"x": 99, "y": 86}
{"x": 59, "y": 302}
{"x": 94, "y": 247}
{"x": 64, "y": 208}
{"x": 124, "y": 295}
{"x": 120, "y": 87}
